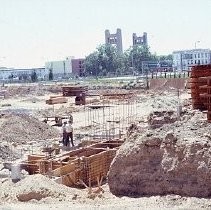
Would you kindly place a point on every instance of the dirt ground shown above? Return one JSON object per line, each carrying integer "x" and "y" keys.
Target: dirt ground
{"x": 87, "y": 122}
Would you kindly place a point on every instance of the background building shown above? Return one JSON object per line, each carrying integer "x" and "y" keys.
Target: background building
{"x": 140, "y": 40}
{"x": 22, "y": 74}
{"x": 78, "y": 66}
{"x": 114, "y": 39}
{"x": 62, "y": 68}
{"x": 184, "y": 59}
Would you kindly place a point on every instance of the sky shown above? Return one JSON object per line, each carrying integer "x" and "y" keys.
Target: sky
{"x": 33, "y": 32}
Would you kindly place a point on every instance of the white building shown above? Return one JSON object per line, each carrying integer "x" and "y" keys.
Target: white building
{"x": 184, "y": 59}
{"x": 5, "y": 73}
{"x": 60, "y": 68}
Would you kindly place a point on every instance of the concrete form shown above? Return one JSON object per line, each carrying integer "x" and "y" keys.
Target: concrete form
{"x": 84, "y": 165}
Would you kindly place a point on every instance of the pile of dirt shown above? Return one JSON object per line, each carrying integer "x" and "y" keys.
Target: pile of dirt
{"x": 62, "y": 111}
{"x": 164, "y": 84}
{"x": 21, "y": 128}
{"x": 19, "y": 90}
{"x": 34, "y": 89}
{"x": 157, "y": 119}
{"x": 164, "y": 101}
{"x": 6, "y": 151}
{"x": 173, "y": 159}
{"x": 35, "y": 187}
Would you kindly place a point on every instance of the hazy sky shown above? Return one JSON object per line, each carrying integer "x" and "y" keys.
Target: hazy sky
{"x": 35, "y": 31}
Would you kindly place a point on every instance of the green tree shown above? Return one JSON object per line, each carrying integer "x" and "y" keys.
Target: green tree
{"x": 34, "y": 76}
{"x": 165, "y": 57}
{"x": 104, "y": 60}
{"x": 91, "y": 64}
{"x": 136, "y": 55}
{"x": 50, "y": 76}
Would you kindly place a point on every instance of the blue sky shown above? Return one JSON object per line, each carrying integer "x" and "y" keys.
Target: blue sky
{"x": 35, "y": 31}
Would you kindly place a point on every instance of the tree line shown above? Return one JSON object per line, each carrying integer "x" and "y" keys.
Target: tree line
{"x": 106, "y": 60}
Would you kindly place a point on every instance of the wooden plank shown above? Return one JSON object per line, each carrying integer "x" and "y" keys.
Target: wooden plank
{"x": 35, "y": 157}
{"x": 64, "y": 170}
{"x": 56, "y": 100}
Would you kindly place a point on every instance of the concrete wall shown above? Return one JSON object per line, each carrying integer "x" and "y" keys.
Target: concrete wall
{"x": 62, "y": 68}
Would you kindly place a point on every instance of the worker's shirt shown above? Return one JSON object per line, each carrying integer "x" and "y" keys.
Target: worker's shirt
{"x": 64, "y": 128}
{"x": 69, "y": 128}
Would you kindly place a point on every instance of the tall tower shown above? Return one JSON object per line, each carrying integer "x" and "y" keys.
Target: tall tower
{"x": 114, "y": 39}
{"x": 140, "y": 40}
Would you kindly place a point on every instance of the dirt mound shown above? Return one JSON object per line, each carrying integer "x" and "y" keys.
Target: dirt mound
{"x": 35, "y": 187}
{"x": 174, "y": 159}
{"x": 6, "y": 152}
{"x": 164, "y": 84}
{"x": 22, "y": 127}
{"x": 158, "y": 119}
{"x": 33, "y": 89}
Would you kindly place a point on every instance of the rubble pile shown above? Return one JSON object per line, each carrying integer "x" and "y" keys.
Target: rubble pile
{"x": 172, "y": 159}
{"x": 21, "y": 128}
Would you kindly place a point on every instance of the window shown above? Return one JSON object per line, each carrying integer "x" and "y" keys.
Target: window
{"x": 202, "y": 55}
{"x": 198, "y": 55}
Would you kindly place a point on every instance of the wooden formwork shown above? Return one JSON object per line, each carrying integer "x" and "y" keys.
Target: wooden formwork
{"x": 96, "y": 166}
{"x": 85, "y": 165}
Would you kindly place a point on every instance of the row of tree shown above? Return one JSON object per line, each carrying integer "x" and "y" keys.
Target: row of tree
{"x": 106, "y": 60}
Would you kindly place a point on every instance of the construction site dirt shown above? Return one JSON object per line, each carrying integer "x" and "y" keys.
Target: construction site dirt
{"x": 127, "y": 141}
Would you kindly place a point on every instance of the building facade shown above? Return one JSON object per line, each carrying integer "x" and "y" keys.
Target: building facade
{"x": 140, "y": 40}
{"x": 62, "y": 68}
{"x": 22, "y": 74}
{"x": 78, "y": 66}
{"x": 114, "y": 39}
{"x": 185, "y": 59}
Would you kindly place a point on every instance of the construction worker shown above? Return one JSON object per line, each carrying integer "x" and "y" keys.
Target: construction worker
{"x": 64, "y": 133}
{"x": 69, "y": 130}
